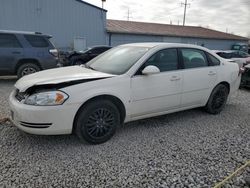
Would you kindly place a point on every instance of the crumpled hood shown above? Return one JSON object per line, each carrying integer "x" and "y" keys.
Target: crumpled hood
{"x": 58, "y": 75}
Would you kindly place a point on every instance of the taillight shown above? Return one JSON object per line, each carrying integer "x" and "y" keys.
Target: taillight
{"x": 54, "y": 52}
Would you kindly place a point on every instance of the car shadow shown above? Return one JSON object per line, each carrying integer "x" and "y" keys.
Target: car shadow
{"x": 177, "y": 120}
{"x": 72, "y": 140}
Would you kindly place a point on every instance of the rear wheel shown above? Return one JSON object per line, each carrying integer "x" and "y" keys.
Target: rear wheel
{"x": 217, "y": 99}
{"x": 26, "y": 69}
{"x": 97, "y": 121}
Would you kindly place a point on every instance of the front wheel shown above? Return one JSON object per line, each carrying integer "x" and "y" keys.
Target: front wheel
{"x": 217, "y": 99}
{"x": 97, "y": 121}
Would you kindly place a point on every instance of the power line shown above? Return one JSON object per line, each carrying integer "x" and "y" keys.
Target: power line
{"x": 185, "y": 9}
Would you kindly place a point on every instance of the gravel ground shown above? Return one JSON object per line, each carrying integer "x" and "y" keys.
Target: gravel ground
{"x": 185, "y": 149}
{"x": 6, "y": 86}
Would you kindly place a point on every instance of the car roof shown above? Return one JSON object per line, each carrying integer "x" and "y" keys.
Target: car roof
{"x": 164, "y": 44}
{"x": 23, "y": 32}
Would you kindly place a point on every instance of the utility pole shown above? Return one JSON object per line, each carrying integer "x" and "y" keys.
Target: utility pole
{"x": 185, "y": 9}
{"x": 103, "y": 1}
{"x": 128, "y": 16}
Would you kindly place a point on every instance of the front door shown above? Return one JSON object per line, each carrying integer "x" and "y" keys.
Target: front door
{"x": 160, "y": 92}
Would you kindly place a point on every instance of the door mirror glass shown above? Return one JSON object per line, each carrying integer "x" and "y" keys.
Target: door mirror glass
{"x": 151, "y": 69}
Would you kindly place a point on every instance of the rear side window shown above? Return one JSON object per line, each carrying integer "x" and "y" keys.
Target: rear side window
{"x": 37, "y": 41}
{"x": 193, "y": 58}
{"x": 9, "y": 41}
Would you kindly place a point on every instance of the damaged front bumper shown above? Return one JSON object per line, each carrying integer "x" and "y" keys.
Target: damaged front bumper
{"x": 42, "y": 120}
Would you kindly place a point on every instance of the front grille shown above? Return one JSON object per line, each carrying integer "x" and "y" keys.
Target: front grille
{"x": 19, "y": 95}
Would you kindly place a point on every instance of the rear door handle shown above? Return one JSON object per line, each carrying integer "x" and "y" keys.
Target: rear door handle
{"x": 211, "y": 73}
{"x": 175, "y": 78}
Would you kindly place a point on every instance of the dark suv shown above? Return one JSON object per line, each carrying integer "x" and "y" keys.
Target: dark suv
{"x": 23, "y": 53}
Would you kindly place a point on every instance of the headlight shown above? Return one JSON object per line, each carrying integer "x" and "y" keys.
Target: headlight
{"x": 49, "y": 98}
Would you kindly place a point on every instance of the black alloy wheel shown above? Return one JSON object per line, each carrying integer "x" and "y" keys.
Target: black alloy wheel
{"x": 100, "y": 122}
{"x": 97, "y": 121}
{"x": 217, "y": 99}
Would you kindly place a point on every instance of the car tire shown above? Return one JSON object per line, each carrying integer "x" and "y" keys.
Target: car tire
{"x": 217, "y": 99}
{"x": 27, "y": 68}
{"x": 97, "y": 121}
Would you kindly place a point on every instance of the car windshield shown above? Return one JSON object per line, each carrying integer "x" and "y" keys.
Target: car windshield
{"x": 117, "y": 60}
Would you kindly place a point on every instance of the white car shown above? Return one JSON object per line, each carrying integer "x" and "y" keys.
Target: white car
{"x": 126, "y": 83}
{"x": 240, "y": 57}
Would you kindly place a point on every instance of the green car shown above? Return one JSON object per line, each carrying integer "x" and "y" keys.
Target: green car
{"x": 245, "y": 79}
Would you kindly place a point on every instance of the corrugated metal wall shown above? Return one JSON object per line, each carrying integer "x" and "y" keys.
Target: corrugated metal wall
{"x": 213, "y": 44}
{"x": 64, "y": 19}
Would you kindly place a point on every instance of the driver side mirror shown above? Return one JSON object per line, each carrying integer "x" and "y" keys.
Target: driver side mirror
{"x": 150, "y": 69}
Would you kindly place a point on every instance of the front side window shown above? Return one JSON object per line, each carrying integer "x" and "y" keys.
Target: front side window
{"x": 193, "y": 58}
{"x": 37, "y": 41}
{"x": 9, "y": 41}
{"x": 117, "y": 60}
{"x": 165, "y": 60}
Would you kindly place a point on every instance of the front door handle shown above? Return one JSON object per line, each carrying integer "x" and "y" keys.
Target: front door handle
{"x": 175, "y": 78}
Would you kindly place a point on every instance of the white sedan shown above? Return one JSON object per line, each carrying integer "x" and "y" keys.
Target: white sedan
{"x": 126, "y": 83}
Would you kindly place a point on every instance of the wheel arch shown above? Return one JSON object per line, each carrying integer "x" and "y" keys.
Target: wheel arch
{"x": 27, "y": 60}
{"x": 225, "y": 83}
{"x": 115, "y": 100}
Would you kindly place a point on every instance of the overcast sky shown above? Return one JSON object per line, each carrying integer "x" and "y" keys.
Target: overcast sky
{"x": 232, "y": 16}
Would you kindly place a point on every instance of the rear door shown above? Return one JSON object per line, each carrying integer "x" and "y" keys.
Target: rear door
{"x": 10, "y": 52}
{"x": 199, "y": 77}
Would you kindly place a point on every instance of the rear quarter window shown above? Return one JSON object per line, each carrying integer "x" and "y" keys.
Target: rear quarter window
{"x": 213, "y": 60}
{"x": 37, "y": 41}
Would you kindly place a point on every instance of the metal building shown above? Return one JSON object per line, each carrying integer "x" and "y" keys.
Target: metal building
{"x": 77, "y": 24}
{"x": 66, "y": 20}
{"x": 120, "y": 32}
